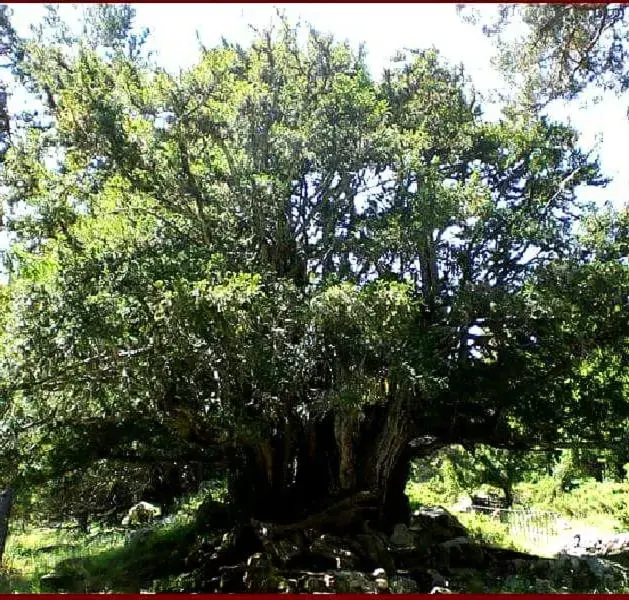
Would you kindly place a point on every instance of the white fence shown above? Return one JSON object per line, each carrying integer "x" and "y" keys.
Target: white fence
{"x": 537, "y": 528}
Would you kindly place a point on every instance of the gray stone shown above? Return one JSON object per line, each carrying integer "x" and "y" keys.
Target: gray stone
{"x": 256, "y": 560}
{"x": 400, "y": 584}
{"x": 51, "y": 582}
{"x": 334, "y": 552}
{"x": 262, "y": 580}
{"x": 376, "y": 550}
{"x": 463, "y": 552}
{"x": 438, "y": 580}
{"x": 458, "y": 541}
{"x": 284, "y": 551}
{"x": 437, "y": 524}
{"x": 402, "y": 537}
{"x": 141, "y": 513}
{"x": 354, "y": 582}
{"x": 543, "y": 585}
{"x": 232, "y": 579}
{"x": 283, "y": 586}
{"x": 541, "y": 568}
{"x": 382, "y": 584}
{"x": 313, "y": 583}
{"x": 138, "y": 535}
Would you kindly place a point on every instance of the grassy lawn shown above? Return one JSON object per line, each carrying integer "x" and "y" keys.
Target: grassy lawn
{"x": 96, "y": 562}
{"x": 593, "y": 510}
{"x": 34, "y": 552}
{"x": 104, "y": 560}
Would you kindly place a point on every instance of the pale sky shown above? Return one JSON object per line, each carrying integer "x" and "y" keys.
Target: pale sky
{"x": 384, "y": 28}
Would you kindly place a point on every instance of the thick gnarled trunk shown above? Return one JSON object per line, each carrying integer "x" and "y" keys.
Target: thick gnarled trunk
{"x": 6, "y": 503}
{"x": 286, "y": 479}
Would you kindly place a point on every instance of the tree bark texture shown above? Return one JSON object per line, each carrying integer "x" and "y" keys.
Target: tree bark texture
{"x": 303, "y": 470}
{"x": 6, "y": 503}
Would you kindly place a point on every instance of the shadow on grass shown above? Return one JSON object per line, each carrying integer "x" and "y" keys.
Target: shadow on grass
{"x": 14, "y": 583}
{"x": 158, "y": 554}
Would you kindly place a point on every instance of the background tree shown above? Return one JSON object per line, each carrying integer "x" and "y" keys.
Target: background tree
{"x": 468, "y": 471}
{"x": 559, "y": 49}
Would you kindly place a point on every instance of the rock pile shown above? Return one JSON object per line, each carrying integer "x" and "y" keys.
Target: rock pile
{"x": 433, "y": 554}
{"x": 601, "y": 546}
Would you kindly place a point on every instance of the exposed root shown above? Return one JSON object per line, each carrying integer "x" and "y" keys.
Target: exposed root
{"x": 341, "y": 515}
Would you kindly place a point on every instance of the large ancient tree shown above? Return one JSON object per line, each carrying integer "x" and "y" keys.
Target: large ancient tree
{"x": 278, "y": 267}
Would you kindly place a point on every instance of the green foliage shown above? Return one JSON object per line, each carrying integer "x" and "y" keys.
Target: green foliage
{"x": 103, "y": 559}
{"x": 589, "y": 500}
{"x": 559, "y": 49}
{"x": 35, "y": 552}
{"x": 207, "y": 265}
{"x": 559, "y": 483}
{"x": 436, "y": 493}
{"x": 97, "y": 563}
{"x": 489, "y": 530}
{"x": 455, "y": 470}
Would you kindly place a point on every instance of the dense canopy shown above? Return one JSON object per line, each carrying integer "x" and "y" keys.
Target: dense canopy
{"x": 283, "y": 268}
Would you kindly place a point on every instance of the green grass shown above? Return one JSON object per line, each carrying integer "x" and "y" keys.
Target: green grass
{"x": 488, "y": 530}
{"x": 604, "y": 505}
{"x": 103, "y": 562}
{"x": 95, "y": 563}
{"x": 592, "y": 508}
{"x": 35, "y": 552}
{"x": 100, "y": 561}
{"x": 136, "y": 565}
